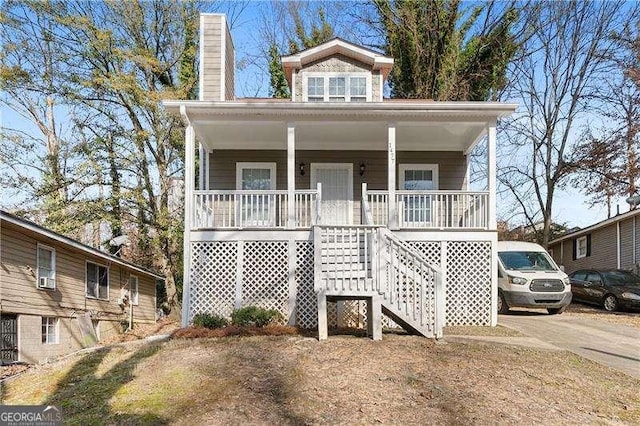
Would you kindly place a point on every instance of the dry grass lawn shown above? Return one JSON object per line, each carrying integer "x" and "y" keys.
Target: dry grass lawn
{"x": 298, "y": 380}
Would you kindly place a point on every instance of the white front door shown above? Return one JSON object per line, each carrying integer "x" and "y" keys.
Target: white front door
{"x": 337, "y": 191}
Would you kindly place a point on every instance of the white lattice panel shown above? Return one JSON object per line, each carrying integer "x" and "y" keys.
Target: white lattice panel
{"x": 468, "y": 283}
{"x": 265, "y": 274}
{"x": 354, "y": 313}
{"x": 213, "y": 277}
{"x": 307, "y": 300}
{"x": 430, "y": 249}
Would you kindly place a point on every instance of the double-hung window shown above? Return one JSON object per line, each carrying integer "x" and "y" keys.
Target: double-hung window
{"x": 581, "y": 250}
{"x": 315, "y": 89}
{"x": 357, "y": 89}
{"x": 259, "y": 205}
{"x": 337, "y": 88}
{"x": 49, "y": 330}
{"x": 416, "y": 180}
{"x": 46, "y": 267}
{"x": 97, "y": 281}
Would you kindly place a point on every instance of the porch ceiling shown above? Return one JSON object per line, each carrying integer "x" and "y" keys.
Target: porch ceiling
{"x": 335, "y": 135}
{"x": 262, "y": 124}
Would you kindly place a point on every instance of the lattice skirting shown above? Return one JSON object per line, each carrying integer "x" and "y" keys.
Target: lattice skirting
{"x": 468, "y": 279}
{"x": 226, "y": 275}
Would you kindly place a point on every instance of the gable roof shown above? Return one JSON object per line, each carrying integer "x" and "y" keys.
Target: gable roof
{"x": 595, "y": 226}
{"x": 23, "y": 223}
{"x": 377, "y": 60}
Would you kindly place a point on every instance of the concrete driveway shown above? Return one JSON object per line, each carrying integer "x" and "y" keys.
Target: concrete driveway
{"x": 613, "y": 345}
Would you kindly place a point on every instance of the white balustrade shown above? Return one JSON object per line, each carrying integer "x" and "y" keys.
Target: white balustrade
{"x": 433, "y": 209}
{"x": 222, "y": 209}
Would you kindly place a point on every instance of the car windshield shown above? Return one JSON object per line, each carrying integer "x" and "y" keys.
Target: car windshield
{"x": 621, "y": 278}
{"x": 526, "y": 261}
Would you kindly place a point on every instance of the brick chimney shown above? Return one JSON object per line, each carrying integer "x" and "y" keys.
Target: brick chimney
{"x": 217, "y": 59}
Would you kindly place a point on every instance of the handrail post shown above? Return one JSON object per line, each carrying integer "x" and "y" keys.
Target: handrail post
{"x": 317, "y": 258}
{"x": 319, "y": 204}
{"x": 362, "y": 203}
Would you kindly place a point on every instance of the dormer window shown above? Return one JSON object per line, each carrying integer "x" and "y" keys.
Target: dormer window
{"x": 331, "y": 87}
{"x": 337, "y": 91}
{"x": 315, "y": 89}
{"x": 358, "y": 89}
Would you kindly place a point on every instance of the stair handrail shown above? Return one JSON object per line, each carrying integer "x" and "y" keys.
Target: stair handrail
{"x": 439, "y": 302}
{"x": 367, "y": 214}
{"x": 381, "y": 263}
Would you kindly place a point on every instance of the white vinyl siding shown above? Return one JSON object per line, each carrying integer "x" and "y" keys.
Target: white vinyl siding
{"x": 46, "y": 264}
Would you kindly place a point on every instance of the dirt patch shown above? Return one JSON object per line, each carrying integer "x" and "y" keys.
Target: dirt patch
{"x": 346, "y": 379}
{"x": 12, "y": 370}
{"x": 140, "y": 331}
{"x": 592, "y": 312}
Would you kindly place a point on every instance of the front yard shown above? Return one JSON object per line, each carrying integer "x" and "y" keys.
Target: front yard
{"x": 298, "y": 380}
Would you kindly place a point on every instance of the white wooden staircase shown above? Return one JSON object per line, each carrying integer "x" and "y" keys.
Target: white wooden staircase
{"x": 367, "y": 262}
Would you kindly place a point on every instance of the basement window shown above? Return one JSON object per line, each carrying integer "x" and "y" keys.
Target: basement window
{"x": 49, "y": 330}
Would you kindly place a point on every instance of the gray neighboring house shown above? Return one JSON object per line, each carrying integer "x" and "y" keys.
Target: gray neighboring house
{"x": 613, "y": 243}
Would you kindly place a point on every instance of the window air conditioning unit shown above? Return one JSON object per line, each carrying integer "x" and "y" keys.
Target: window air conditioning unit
{"x": 46, "y": 282}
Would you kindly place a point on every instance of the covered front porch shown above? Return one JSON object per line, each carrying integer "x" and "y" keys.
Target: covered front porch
{"x": 314, "y": 165}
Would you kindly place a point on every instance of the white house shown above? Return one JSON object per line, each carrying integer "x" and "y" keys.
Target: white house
{"x": 336, "y": 205}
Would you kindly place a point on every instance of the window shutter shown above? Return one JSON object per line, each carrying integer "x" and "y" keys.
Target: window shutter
{"x": 575, "y": 249}
{"x": 589, "y": 245}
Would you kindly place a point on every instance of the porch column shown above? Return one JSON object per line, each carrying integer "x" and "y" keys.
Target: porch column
{"x": 391, "y": 177}
{"x": 491, "y": 219}
{"x": 189, "y": 180}
{"x": 291, "y": 175}
{"x": 491, "y": 175}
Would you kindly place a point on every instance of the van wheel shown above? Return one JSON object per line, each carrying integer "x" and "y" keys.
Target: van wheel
{"x": 556, "y": 311}
{"x": 503, "y": 308}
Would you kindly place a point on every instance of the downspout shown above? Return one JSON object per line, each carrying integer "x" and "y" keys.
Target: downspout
{"x": 618, "y": 243}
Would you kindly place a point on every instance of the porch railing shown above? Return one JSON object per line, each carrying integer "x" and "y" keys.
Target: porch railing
{"x": 233, "y": 209}
{"x": 433, "y": 209}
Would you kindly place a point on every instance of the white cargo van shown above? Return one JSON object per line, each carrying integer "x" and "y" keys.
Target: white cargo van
{"x": 529, "y": 278}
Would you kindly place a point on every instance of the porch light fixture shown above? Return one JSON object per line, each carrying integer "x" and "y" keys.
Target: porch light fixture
{"x": 363, "y": 167}
{"x": 301, "y": 166}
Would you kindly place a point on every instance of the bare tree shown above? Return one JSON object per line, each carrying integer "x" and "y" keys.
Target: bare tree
{"x": 608, "y": 160}
{"x": 556, "y": 81}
